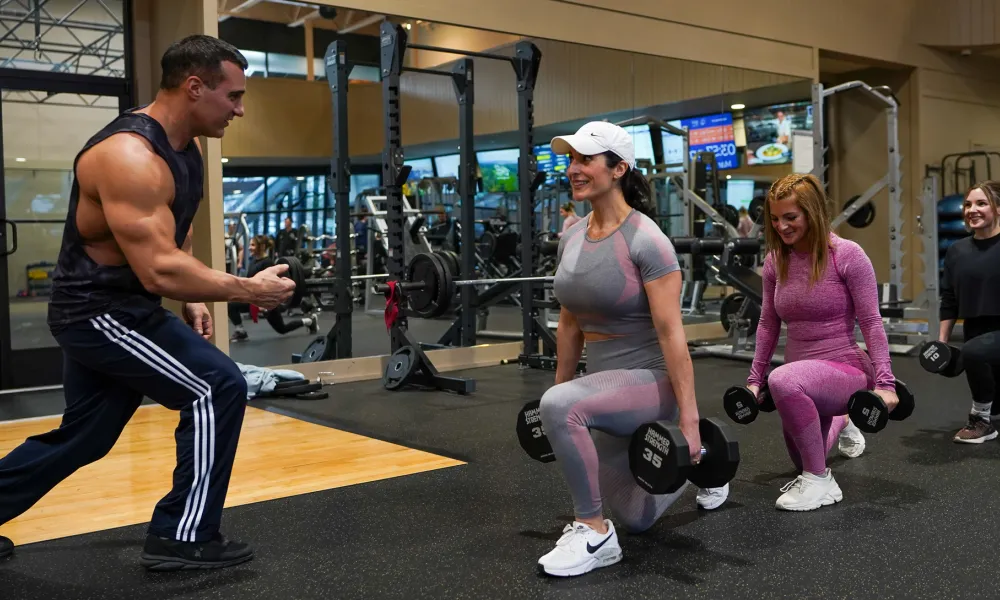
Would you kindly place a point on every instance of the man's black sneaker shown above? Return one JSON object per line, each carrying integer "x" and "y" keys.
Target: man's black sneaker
{"x": 6, "y": 547}
{"x": 162, "y": 554}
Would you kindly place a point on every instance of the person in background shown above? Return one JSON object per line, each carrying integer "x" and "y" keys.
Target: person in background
{"x": 969, "y": 292}
{"x": 361, "y": 236}
{"x": 784, "y": 128}
{"x": 261, "y": 247}
{"x": 287, "y": 242}
{"x": 745, "y": 223}
{"x": 570, "y": 218}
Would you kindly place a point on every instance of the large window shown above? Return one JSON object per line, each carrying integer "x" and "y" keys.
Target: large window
{"x": 266, "y": 202}
{"x": 273, "y": 64}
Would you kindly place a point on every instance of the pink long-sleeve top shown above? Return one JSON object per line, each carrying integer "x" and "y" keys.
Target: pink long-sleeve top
{"x": 820, "y": 317}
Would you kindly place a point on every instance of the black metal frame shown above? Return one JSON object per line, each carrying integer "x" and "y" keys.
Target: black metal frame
{"x": 32, "y": 367}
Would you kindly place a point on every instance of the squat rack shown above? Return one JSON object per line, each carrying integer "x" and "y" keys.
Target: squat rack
{"x": 892, "y": 179}
{"x": 525, "y": 62}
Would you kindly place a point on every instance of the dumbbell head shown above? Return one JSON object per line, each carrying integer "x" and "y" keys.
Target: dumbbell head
{"x": 531, "y": 433}
{"x": 660, "y": 458}
{"x": 868, "y": 411}
{"x": 740, "y": 405}
{"x": 721, "y": 460}
{"x": 939, "y": 357}
{"x": 906, "y": 402}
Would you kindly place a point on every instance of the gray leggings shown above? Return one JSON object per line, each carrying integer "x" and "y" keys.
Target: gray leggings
{"x": 589, "y": 422}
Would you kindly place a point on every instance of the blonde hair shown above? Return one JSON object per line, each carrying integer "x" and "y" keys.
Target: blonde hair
{"x": 808, "y": 193}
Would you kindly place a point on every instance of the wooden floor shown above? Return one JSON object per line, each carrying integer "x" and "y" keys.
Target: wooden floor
{"x": 277, "y": 457}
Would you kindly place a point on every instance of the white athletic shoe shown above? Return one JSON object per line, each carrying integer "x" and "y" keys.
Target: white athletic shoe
{"x": 581, "y": 550}
{"x": 712, "y": 498}
{"x": 809, "y": 492}
{"x": 851, "y": 443}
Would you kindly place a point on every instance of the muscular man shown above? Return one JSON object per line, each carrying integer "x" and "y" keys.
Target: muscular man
{"x": 126, "y": 244}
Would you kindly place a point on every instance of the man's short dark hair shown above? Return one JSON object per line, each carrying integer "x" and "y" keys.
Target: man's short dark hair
{"x": 201, "y": 56}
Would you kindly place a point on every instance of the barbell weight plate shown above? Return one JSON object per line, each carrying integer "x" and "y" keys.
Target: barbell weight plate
{"x": 722, "y": 455}
{"x": 863, "y": 217}
{"x": 423, "y": 269}
{"x": 443, "y": 285}
{"x": 315, "y": 350}
{"x": 730, "y": 306}
{"x": 531, "y": 433}
{"x": 452, "y": 261}
{"x": 658, "y": 457}
{"x": 297, "y": 273}
{"x": 399, "y": 368}
{"x": 730, "y": 214}
{"x": 487, "y": 244}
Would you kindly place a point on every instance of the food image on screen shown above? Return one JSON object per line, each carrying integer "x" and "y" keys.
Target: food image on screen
{"x": 499, "y": 170}
{"x": 773, "y": 153}
{"x": 769, "y": 131}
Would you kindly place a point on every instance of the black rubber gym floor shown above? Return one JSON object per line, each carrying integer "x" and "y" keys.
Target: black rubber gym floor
{"x": 916, "y": 520}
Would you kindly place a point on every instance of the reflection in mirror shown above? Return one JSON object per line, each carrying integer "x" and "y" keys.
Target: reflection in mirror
{"x": 686, "y": 120}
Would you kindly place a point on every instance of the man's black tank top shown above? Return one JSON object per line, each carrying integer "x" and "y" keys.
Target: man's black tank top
{"x": 82, "y": 288}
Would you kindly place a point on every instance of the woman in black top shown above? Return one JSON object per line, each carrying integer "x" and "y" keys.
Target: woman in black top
{"x": 970, "y": 290}
{"x": 260, "y": 259}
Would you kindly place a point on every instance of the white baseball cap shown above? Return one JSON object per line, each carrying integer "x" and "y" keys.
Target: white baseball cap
{"x": 597, "y": 137}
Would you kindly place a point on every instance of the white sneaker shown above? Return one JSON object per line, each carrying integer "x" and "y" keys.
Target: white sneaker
{"x": 712, "y": 498}
{"x": 581, "y": 550}
{"x": 851, "y": 443}
{"x": 809, "y": 492}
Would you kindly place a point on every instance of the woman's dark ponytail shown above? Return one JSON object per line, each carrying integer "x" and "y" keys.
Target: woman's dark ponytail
{"x": 635, "y": 187}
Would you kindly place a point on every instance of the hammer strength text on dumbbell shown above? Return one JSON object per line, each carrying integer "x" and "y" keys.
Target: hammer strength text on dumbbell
{"x": 534, "y": 416}
{"x": 657, "y": 441}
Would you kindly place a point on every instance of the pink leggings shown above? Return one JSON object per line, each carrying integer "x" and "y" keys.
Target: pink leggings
{"x": 811, "y": 396}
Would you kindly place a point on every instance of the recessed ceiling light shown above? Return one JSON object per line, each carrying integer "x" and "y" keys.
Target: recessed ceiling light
{"x": 19, "y": 159}
{"x": 225, "y": 160}
{"x": 738, "y": 106}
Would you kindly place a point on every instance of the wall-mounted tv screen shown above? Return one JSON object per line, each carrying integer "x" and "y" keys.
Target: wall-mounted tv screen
{"x": 739, "y": 192}
{"x": 769, "y": 131}
{"x": 711, "y": 133}
{"x": 419, "y": 168}
{"x": 554, "y": 165}
{"x": 499, "y": 170}
{"x": 447, "y": 165}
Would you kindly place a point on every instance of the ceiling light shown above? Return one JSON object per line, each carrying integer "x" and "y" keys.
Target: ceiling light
{"x": 729, "y": 176}
{"x": 225, "y": 160}
{"x": 237, "y": 191}
{"x": 738, "y": 106}
{"x": 407, "y": 26}
{"x": 300, "y": 179}
{"x": 19, "y": 159}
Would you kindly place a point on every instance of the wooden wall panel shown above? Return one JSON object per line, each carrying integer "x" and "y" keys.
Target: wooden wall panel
{"x": 629, "y": 27}
{"x": 574, "y": 82}
{"x": 958, "y": 23}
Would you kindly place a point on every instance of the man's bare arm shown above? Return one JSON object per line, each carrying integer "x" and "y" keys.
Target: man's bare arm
{"x": 135, "y": 189}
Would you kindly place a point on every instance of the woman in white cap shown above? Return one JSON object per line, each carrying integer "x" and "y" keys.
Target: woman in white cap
{"x": 619, "y": 283}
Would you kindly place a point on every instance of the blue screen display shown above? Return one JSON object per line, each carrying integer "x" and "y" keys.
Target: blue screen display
{"x": 712, "y": 133}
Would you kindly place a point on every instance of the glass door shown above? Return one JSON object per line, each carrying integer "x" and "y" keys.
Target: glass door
{"x": 44, "y": 125}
